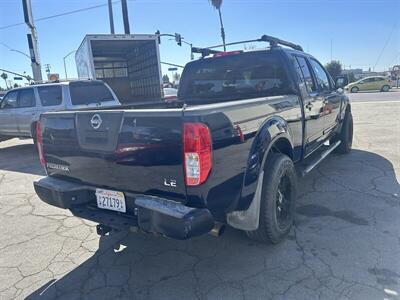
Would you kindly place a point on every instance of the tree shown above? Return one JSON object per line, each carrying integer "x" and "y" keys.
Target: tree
{"x": 334, "y": 68}
{"x": 217, "y": 5}
{"x": 352, "y": 78}
{"x": 4, "y": 76}
{"x": 165, "y": 78}
{"x": 176, "y": 77}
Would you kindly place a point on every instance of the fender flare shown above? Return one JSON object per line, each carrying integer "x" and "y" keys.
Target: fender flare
{"x": 271, "y": 130}
{"x": 249, "y": 219}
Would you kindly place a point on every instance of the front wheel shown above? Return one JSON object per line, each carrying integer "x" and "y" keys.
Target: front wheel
{"x": 385, "y": 88}
{"x": 346, "y": 135}
{"x": 354, "y": 89}
{"x": 278, "y": 200}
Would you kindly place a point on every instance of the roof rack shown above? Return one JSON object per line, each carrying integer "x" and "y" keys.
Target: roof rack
{"x": 58, "y": 80}
{"x": 273, "y": 42}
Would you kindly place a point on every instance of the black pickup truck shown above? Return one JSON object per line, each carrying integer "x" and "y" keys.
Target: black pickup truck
{"x": 227, "y": 152}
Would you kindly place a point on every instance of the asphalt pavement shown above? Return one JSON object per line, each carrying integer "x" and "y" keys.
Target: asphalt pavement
{"x": 345, "y": 244}
{"x": 375, "y": 96}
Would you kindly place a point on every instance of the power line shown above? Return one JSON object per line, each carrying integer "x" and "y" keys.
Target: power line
{"x": 60, "y": 14}
{"x": 386, "y": 43}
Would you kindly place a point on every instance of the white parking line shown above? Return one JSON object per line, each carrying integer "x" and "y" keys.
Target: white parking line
{"x": 374, "y": 102}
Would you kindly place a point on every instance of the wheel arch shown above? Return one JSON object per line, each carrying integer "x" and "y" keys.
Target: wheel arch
{"x": 273, "y": 136}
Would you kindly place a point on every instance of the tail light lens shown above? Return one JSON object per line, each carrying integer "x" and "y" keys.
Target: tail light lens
{"x": 40, "y": 144}
{"x": 197, "y": 153}
{"x": 227, "y": 53}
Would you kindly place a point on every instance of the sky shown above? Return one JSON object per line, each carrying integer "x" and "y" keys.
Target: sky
{"x": 363, "y": 33}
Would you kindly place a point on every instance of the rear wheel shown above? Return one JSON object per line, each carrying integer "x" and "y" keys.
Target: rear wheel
{"x": 346, "y": 135}
{"x": 354, "y": 89}
{"x": 278, "y": 198}
{"x": 385, "y": 88}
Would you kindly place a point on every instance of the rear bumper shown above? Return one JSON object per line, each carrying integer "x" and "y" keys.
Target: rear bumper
{"x": 151, "y": 214}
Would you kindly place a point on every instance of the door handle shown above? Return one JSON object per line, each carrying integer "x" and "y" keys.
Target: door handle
{"x": 309, "y": 105}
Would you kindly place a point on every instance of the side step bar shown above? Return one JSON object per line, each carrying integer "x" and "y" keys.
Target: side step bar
{"x": 318, "y": 158}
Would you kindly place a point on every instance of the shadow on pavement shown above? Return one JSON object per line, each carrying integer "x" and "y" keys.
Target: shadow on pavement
{"x": 21, "y": 158}
{"x": 155, "y": 267}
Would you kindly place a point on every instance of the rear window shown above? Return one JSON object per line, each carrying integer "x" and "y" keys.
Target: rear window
{"x": 89, "y": 92}
{"x": 50, "y": 95}
{"x": 238, "y": 76}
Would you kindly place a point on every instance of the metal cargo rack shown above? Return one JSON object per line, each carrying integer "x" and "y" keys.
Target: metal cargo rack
{"x": 273, "y": 42}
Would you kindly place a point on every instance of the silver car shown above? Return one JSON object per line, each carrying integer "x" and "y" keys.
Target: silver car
{"x": 20, "y": 108}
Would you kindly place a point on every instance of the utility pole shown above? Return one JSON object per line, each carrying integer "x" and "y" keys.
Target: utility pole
{"x": 111, "y": 16}
{"x": 32, "y": 41}
{"x": 47, "y": 66}
{"x": 65, "y": 65}
{"x": 125, "y": 16}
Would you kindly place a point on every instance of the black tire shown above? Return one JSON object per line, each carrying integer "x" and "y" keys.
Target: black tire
{"x": 346, "y": 135}
{"x": 33, "y": 133}
{"x": 385, "y": 88}
{"x": 278, "y": 200}
{"x": 354, "y": 89}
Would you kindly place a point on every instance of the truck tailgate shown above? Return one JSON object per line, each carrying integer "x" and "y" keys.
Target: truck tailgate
{"x": 139, "y": 151}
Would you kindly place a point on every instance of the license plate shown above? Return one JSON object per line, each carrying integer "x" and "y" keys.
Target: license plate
{"x": 111, "y": 200}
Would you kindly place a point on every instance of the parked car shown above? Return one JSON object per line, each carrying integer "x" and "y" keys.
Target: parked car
{"x": 20, "y": 108}
{"x": 225, "y": 154}
{"x": 369, "y": 83}
{"x": 170, "y": 94}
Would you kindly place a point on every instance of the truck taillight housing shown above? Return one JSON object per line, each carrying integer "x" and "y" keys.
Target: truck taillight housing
{"x": 39, "y": 144}
{"x": 197, "y": 153}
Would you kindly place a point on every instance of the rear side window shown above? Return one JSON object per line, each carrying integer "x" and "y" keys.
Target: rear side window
{"x": 233, "y": 77}
{"x": 50, "y": 95}
{"x": 304, "y": 73}
{"x": 26, "y": 98}
{"x": 321, "y": 76}
{"x": 89, "y": 92}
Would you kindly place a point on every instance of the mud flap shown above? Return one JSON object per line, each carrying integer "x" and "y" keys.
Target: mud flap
{"x": 248, "y": 219}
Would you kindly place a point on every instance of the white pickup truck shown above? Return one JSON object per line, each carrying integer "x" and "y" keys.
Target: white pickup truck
{"x": 20, "y": 108}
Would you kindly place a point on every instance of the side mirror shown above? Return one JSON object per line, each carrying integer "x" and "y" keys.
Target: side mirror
{"x": 341, "y": 82}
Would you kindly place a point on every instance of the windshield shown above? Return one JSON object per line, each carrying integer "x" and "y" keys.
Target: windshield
{"x": 89, "y": 92}
{"x": 247, "y": 75}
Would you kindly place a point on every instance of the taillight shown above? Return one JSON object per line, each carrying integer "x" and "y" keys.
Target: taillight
{"x": 40, "y": 144}
{"x": 227, "y": 53}
{"x": 170, "y": 99}
{"x": 197, "y": 153}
